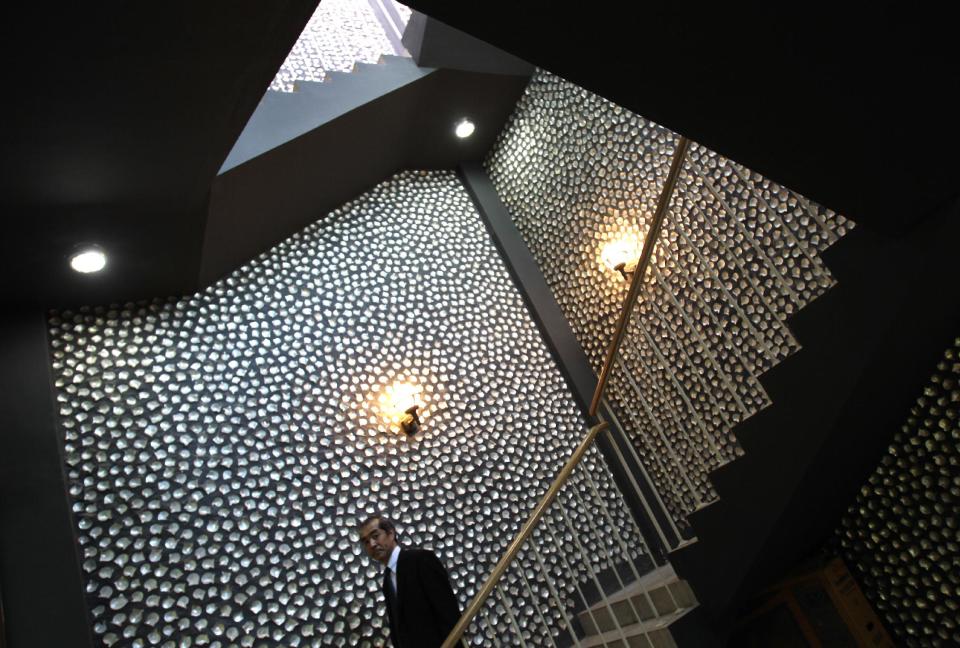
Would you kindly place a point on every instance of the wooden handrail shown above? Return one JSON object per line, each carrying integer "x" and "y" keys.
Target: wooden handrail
{"x": 474, "y": 608}
{"x": 652, "y": 235}
{"x": 514, "y": 548}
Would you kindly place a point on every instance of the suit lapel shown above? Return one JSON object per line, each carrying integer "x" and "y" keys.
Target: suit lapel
{"x": 404, "y": 568}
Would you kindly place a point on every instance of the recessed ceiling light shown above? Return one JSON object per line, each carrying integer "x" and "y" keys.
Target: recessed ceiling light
{"x": 465, "y": 128}
{"x": 88, "y": 260}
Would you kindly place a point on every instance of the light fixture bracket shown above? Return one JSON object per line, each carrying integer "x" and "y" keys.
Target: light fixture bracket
{"x": 410, "y": 421}
{"x": 626, "y": 269}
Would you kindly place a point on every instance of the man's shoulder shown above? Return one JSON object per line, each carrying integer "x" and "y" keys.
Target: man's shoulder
{"x": 416, "y": 552}
{"x": 418, "y": 555}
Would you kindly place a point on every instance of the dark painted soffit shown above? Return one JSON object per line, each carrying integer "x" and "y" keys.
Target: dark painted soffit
{"x": 265, "y": 200}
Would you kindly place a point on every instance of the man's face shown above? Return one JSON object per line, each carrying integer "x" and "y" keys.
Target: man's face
{"x": 376, "y": 542}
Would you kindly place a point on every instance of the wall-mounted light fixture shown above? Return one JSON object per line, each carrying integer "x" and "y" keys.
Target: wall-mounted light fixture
{"x": 88, "y": 259}
{"x": 400, "y": 403}
{"x": 622, "y": 254}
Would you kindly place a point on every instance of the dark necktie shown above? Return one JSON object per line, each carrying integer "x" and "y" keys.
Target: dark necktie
{"x": 392, "y": 600}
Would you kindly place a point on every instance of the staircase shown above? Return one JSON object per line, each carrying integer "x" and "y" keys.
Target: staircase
{"x": 640, "y": 614}
{"x": 865, "y": 342}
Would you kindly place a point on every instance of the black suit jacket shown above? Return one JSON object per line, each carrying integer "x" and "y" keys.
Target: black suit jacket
{"x": 427, "y": 608}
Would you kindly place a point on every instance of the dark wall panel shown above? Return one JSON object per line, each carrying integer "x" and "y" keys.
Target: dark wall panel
{"x": 40, "y": 582}
{"x": 900, "y": 537}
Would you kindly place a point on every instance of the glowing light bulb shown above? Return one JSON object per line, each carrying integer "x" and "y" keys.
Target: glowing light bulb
{"x": 465, "y": 128}
{"x": 89, "y": 260}
{"x": 625, "y": 250}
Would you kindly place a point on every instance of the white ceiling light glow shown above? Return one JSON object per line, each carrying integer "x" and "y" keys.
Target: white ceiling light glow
{"x": 88, "y": 260}
{"x": 465, "y": 128}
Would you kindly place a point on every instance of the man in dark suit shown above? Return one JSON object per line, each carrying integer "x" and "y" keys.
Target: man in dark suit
{"x": 421, "y": 606}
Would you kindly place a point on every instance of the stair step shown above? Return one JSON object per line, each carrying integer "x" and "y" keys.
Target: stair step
{"x": 775, "y": 427}
{"x": 689, "y": 560}
{"x": 806, "y": 324}
{"x": 662, "y": 575}
{"x": 387, "y": 58}
{"x": 368, "y": 68}
{"x": 725, "y": 478}
{"x": 845, "y": 257}
{"x": 599, "y": 620}
{"x": 313, "y": 88}
{"x": 336, "y": 76}
{"x": 758, "y": 424}
{"x": 654, "y": 633}
{"x": 706, "y": 519}
{"x": 655, "y": 595}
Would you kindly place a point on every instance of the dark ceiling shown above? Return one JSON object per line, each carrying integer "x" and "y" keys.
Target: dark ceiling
{"x": 117, "y": 117}
{"x": 119, "y": 114}
{"x": 850, "y": 104}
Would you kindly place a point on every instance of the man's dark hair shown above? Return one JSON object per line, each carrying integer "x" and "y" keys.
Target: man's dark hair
{"x": 383, "y": 523}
